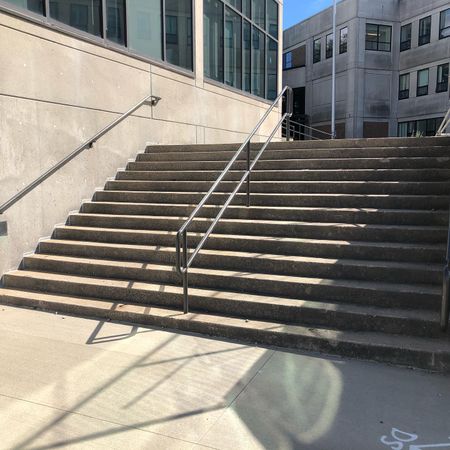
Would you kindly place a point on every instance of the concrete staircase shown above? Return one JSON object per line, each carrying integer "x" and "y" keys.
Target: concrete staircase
{"x": 342, "y": 251}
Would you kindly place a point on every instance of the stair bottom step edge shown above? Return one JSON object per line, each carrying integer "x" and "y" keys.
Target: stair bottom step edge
{"x": 421, "y": 353}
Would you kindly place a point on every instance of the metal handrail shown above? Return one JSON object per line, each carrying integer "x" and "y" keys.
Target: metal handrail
{"x": 294, "y": 132}
{"x": 312, "y": 128}
{"x": 152, "y": 99}
{"x": 444, "y": 125}
{"x": 183, "y": 260}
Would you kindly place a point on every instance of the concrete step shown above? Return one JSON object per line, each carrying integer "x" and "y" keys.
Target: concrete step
{"x": 342, "y": 215}
{"x": 290, "y": 187}
{"x": 147, "y": 161}
{"x": 383, "y": 201}
{"x": 335, "y": 290}
{"x": 431, "y": 354}
{"x": 386, "y": 271}
{"x": 291, "y": 175}
{"x": 377, "y": 251}
{"x": 311, "y": 230}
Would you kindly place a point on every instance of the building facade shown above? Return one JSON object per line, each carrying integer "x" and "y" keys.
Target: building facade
{"x": 392, "y": 65}
{"x": 70, "y": 67}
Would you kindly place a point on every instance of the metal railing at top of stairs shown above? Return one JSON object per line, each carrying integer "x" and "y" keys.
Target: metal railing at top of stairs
{"x": 183, "y": 259}
{"x": 310, "y": 135}
{"x": 444, "y": 125}
{"x": 151, "y": 99}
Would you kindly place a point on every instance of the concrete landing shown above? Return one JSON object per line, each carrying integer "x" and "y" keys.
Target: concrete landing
{"x": 74, "y": 383}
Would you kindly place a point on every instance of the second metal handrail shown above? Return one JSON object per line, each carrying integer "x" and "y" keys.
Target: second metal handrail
{"x": 444, "y": 125}
{"x": 183, "y": 259}
{"x": 152, "y": 99}
{"x": 312, "y": 129}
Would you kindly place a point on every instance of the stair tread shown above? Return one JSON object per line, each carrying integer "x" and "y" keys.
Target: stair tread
{"x": 261, "y": 237}
{"x": 263, "y": 221}
{"x": 364, "y": 338}
{"x": 358, "y": 284}
{"x": 291, "y": 258}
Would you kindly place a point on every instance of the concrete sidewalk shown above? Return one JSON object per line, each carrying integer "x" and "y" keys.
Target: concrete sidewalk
{"x": 67, "y": 382}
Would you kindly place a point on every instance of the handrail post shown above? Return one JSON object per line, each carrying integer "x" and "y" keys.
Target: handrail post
{"x": 185, "y": 274}
{"x": 248, "y": 176}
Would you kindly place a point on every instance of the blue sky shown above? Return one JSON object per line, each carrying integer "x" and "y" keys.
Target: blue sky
{"x": 298, "y": 10}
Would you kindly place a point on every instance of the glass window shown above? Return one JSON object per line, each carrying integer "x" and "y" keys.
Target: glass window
{"x": 403, "y": 129}
{"x": 247, "y": 8}
{"x": 343, "y": 38}
{"x": 272, "y": 18}
{"x": 115, "y": 30}
{"x": 272, "y": 62}
{"x": 179, "y": 33}
{"x": 287, "y": 61}
{"x": 213, "y": 39}
{"x": 317, "y": 47}
{"x": 444, "y": 24}
{"x": 144, "y": 19}
{"x": 422, "y": 82}
{"x": 378, "y": 37}
{"x": 258, "y": 13}
{"x": 247, "y": 56}
{"x": 84, "y": 16}
{"x": 258, "y": 58}
{"x": 233, "y": 50}
{"x": 424, "y": 30}
{"x": 236, "y": 3}
{"x": 36, "y": 6}
{"x": 329, "y": 46}
{"x": 442, "y": 78}
{"x": 403, "y": 90}
{"x": 405, "y": 37}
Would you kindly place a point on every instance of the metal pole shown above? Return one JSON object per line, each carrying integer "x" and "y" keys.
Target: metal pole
{"x": 185, "y": 274}
{"x": 333, "y": 77}
{"x": 248, "y": 176}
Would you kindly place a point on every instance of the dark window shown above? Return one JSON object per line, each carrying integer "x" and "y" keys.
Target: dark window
{"x": 442, "y": 78}
{"x": 36, "y": 6}
{"x": 258, "y": 13}
{"x": 444, "y": 24}
{"x": 405, "y": 37}
{"x": 213, "y": 39}
{"x": 247, "y": 56}
{"x": 317, "y": 49}
{"x": 378, "y": 37}
{"x": 343, "y": 38}
{"x": 422, "y": 82}
{"x": 178, "y": 14}
{"x": 258, "y": 62}
{"x": 424, "y": 30}
{"x": 115, "y": 30}
{"x": 272, "y": 62}
{"x": 233, "y": 49}
{"x": 247, "y": 8}
{"x": 329, "y": 46}
{"x": 287, "y": 61}
{"x": 236, "y": 3}
{"x": 272, "y": 18}
{"x": 84, "y": 16}
{"x": 403, "y": 89}
{"x": 419, "y": 128}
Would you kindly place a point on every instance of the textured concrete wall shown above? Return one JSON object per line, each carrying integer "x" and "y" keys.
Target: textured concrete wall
{"x": 56, "y": 91}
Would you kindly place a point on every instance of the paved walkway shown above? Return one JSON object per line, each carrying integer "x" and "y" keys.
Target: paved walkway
{"x": 73, "y": 383}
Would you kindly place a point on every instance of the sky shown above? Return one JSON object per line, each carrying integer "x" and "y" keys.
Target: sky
{"x": 297, "y": 10}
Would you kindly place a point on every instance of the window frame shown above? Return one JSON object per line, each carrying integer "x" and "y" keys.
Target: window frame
{"x": 407, "y": 41}
{"x": 427, "y": 36}
{"x": 55, "y": 25}
{"x": 441, "y": 28}
{"x": 329, "y": 52}
{"x": 442, "y": 86}
{"x": 422, "y": 90}
{"x": 378, "y": 42}
{"x": 404, "y": 94}
{"x": 319, "y": 41}
{"x": 341, "y": 45}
